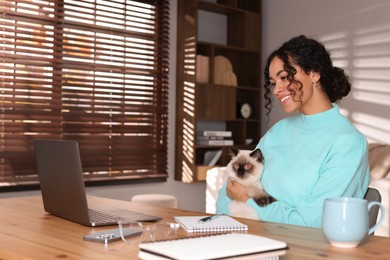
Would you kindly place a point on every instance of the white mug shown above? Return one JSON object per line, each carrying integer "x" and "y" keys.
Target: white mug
{"x": 345, "y": 220}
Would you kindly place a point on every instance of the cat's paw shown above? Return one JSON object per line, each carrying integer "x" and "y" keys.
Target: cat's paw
{"x": 264, "y": 200}
{"x": 271, "y": 199}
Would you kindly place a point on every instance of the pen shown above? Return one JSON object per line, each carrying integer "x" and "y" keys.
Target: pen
{"x": 207, "y": 219}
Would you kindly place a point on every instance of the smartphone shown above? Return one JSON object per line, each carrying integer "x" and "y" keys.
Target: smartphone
{"x": 111, "y": 235}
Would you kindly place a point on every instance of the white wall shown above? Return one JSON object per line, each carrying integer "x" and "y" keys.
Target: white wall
{"x": 357, "y": 33}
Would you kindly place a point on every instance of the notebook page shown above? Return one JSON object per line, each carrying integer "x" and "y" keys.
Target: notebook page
{"x": 221, "y": 224}
{"x": 213, "y": 246}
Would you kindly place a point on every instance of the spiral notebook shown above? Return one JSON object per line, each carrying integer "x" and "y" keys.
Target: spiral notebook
{"x": 222, "y": 223}
{"x": 220, "y": 246}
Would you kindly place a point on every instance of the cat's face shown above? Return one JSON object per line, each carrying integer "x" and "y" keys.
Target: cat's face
{"x": 246, "y": 164}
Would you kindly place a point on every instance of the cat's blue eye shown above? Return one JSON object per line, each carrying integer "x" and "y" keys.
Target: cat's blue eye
{"x": 248, "y": 166}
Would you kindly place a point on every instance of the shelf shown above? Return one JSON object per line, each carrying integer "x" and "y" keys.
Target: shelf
{"x": 209, "y": 45}
{"x": 205, "y": 105}
{"x": 227, "y": 7}
{"x": 242, "y": 27}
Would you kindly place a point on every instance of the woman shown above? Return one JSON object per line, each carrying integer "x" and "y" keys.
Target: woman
{"x": 311, "y": 156}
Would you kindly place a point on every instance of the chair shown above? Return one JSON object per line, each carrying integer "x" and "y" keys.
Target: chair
{"x": 373, "y": 194}
{"x": 215, "y": 178}
{"x": 162, "y": 200}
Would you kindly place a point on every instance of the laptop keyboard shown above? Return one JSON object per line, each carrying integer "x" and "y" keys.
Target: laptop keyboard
{"x": 102, "y": 217}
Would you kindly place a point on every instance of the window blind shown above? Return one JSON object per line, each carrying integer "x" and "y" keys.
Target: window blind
{"x": 94, "y": 71}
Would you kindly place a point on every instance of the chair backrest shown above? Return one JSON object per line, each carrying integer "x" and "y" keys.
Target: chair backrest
{"x": 373, "y": 194}
{"x": 215, "y": 179}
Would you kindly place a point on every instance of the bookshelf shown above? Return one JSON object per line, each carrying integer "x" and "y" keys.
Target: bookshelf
{"x": 226, "y": 35}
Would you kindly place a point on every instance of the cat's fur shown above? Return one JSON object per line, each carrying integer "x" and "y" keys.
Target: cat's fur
{"x": 246, "y": 167}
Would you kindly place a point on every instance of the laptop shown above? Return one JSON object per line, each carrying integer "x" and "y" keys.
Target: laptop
{"x": 63, "y": 190}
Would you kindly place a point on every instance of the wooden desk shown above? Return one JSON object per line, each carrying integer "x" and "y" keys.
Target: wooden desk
{"x": 27, "y": 232}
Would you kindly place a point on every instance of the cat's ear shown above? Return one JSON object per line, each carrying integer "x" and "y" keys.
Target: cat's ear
{"x": 258, "y": 155}
{"x": 233, "y": 151}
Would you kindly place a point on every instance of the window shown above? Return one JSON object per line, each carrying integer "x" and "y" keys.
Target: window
{"x": 94, "y": 71}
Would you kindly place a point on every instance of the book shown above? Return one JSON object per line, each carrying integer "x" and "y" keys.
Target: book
{"x": 217, "y": 133}
{"x": 216, "y": 142}
{"x": 206, "y": 138}
{"x": 222, "y": 223}
{"x": 217, "y": 246}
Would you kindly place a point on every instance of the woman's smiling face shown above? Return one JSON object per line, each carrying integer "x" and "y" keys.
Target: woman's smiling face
{"x": 292, "y": 95}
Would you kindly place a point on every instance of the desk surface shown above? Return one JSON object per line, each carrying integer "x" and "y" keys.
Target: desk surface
{"x": 27, "y": 232}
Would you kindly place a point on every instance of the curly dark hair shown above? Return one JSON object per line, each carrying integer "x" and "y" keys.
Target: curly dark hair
{"x": 309, "y": 55}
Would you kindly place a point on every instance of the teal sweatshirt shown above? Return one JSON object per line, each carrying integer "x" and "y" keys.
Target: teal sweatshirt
{"x": 306, "y": 160}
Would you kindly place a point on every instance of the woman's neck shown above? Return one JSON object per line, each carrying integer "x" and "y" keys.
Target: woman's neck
{"x": 317, "y": 104}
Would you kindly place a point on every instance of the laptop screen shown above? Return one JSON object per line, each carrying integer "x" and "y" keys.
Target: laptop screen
{"x": 61, "y": 179}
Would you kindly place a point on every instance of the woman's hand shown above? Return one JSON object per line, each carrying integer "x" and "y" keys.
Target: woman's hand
{"x": 236, "y": 191}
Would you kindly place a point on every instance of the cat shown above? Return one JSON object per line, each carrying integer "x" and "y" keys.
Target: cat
{"x": 246, "y": 167}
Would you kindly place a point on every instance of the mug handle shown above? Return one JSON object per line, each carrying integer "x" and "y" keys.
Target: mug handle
{"x": 379, "y": 222}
